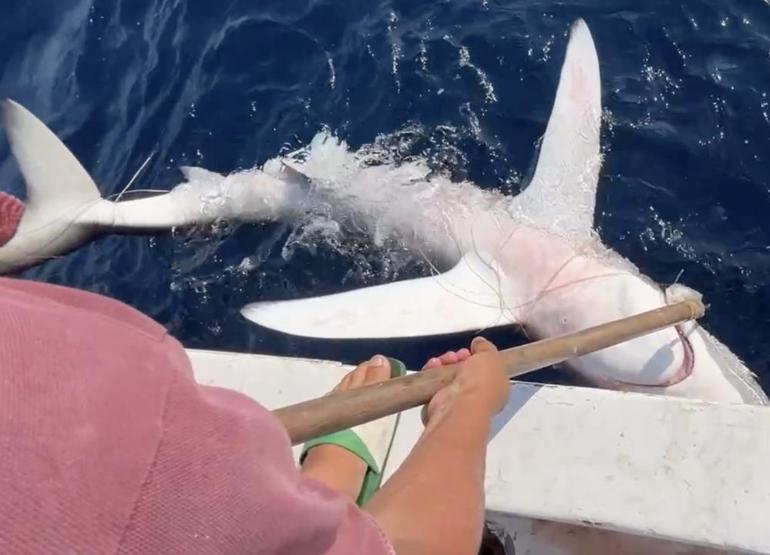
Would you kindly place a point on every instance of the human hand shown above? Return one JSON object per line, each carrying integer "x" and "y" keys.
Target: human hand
{"x": 481, "y": 382}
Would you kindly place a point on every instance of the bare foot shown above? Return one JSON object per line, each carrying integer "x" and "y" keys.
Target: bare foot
{"x": 333, "y": 465}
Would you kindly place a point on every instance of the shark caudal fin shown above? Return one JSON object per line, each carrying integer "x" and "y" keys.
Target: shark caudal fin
{"x": 56, "y": 182}
{"x": 562, "y": 193}
{"x": 468, "y": 297}
{"x": 60, "y": 194}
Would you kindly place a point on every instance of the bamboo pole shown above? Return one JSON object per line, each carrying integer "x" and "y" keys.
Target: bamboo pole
{"x": 344, "y": 409}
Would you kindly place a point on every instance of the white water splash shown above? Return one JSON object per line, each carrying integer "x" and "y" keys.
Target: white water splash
{"x": 423, "y": 57}
{"x": 545, "y": 50}
{"x": 481, "y": 75}
{"x": 332, "y": 73}
{"x": 379, "y": 193}
{"x": 473, "y": 120}
{"x": 395, "y": 48}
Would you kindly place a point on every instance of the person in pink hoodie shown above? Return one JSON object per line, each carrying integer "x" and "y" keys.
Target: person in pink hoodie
{"x": 110, "y": 446}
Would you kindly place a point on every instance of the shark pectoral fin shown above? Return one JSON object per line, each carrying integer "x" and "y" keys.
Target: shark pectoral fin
{"x": 463, "y": 299}
{"x": 564, "y": 183}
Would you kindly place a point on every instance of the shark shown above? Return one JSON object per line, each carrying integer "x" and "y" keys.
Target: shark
{"x": 532, "y": 260}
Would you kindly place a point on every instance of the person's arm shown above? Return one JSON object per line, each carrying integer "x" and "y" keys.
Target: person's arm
{"x": 434, "y": 503}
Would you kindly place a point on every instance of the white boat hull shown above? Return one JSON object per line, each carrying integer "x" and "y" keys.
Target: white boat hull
{"x": 576, "y": 470}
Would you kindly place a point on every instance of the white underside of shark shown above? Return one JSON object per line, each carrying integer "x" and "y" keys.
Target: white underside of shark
{"x": 533, "y": 260}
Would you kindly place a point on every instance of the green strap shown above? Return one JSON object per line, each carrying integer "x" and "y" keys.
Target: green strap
{"x": 348, "y": 439}
{"x": 397, "y": 367}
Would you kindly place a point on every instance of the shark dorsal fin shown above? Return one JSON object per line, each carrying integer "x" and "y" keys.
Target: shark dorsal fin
{"x": 562, "y": 193}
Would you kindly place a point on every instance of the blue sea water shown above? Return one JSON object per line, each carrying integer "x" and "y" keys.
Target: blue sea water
{"x": 226, "y": 85}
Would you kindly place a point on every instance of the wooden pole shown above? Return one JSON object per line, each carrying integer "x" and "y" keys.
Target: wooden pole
{"x": 344, "y": 409}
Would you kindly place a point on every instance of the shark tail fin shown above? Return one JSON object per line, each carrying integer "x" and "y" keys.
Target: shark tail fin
{"x": 562, "y": 192}
{"x": 54, "y": 178}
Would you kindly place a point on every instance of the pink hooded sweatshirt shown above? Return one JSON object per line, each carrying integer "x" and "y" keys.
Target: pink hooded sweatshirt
{"x": 108, "y": 445}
